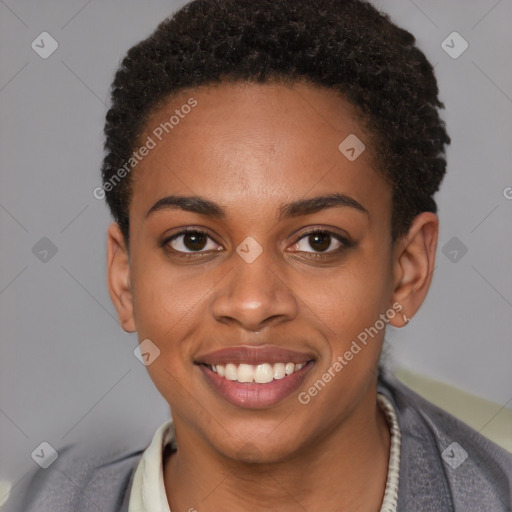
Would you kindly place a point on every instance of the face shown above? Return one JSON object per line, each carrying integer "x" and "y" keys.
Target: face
{"x": 286, "y": 262}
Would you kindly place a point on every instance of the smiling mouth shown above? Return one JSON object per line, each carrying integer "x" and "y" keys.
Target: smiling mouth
{"x": 260, "y": 373}
{"x": 255, "y": 377}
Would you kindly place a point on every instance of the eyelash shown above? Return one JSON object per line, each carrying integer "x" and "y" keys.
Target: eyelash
{"x": 345, "y": 243}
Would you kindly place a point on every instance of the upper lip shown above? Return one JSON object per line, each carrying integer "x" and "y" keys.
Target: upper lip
{"x": 253, "y": 355}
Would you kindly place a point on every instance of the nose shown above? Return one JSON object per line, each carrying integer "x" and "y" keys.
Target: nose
{"x": 254, "y": 295}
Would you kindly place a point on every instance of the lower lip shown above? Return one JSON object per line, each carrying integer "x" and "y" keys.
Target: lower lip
{"x": 252, "y": 395}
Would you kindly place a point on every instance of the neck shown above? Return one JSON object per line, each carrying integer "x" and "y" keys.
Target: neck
{"x": 344, "y": 470}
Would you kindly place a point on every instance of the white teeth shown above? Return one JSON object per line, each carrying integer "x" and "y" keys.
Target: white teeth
{"x": 264, "y": 373}
{"x": 279, "y": 370}
{"x": 261, "y": 373}
{"x": 231, "y": 372}
{"x": 245, "y": 373}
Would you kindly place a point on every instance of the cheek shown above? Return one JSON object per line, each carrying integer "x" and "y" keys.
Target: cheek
{"x": 166, "y": 302}
{"x": 164, "y": 296}
{"x": 351, "y": 306}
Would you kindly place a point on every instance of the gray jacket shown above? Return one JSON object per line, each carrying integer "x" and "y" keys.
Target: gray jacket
{"x": 435, "y": 475}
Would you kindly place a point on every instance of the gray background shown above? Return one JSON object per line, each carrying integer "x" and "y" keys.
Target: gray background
{"x": 67, "y": 370}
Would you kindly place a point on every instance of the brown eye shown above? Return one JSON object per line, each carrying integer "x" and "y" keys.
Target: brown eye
{"x": 321, "y": 241}
{"x": 194, "y": 241}
{"x": 191, "y": 241}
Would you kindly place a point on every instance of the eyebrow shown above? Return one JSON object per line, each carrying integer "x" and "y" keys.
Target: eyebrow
{"x": 203, "y": 206}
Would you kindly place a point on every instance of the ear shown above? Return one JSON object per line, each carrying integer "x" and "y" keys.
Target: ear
{"x": 413, "y": 266}
{"x": 118, "y": 277}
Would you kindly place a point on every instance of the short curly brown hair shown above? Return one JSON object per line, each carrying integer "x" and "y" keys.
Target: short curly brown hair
{"x": 345, "y": 45}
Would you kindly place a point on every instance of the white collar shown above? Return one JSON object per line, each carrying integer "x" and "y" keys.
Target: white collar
{"x": 148, "y": 489}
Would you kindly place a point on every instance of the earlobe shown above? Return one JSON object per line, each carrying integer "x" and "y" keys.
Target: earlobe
{"x": 414, "y": 259}
{"x": 118, "y": 277}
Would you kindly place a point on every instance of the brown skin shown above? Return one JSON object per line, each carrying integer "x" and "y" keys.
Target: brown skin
{"x": 250, "y": 148}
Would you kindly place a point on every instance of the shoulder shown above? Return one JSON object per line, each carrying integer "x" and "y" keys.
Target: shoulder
{"x": 80, "y": 480}
{"x": 444, "y": 456}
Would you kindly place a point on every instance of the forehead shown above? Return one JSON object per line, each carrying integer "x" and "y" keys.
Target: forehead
{"x": 256, "y": 146}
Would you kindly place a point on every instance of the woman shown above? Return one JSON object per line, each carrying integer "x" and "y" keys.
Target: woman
{"x": 271, "y": 167}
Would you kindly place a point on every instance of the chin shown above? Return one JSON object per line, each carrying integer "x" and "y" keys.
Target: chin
{"x": 254, "y": 451}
